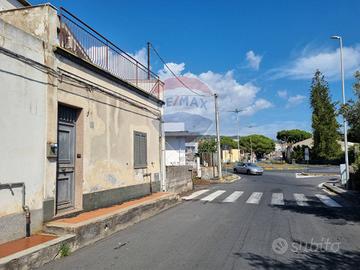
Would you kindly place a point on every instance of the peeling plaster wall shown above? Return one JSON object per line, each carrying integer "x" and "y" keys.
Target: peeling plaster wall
{"x": 40, "y": 21}
{"x": 108, "y": 130}
{"x": 28, "y": 120}
{"x": 22, "y": 134}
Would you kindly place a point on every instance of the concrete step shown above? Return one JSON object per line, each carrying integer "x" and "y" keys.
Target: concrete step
{"x": 92, "y": 226}
{"x": 81, "y": 230}
{"x": 30, "y": 252}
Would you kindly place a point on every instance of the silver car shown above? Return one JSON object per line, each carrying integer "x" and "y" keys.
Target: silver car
{"x": 248, "y": 168}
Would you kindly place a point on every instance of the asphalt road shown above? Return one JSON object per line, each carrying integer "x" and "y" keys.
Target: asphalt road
{"x": 253, "y": 231}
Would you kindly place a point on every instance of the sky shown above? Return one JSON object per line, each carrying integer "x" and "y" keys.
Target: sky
{"x": 256, "y": 55}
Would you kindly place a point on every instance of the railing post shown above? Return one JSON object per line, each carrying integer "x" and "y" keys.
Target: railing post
{"x": 78, "y": 37}
{"x": 136, "y": 72}
{"x": 107, "y": 55}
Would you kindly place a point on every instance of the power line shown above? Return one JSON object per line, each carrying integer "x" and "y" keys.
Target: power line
{"x": 166, "y": 65}
{"x": 60, "y": 76}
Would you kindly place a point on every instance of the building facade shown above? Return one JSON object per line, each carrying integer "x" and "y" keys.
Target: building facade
{"x": 80, "y": 120}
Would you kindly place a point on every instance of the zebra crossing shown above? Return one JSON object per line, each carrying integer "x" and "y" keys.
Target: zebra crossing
{"x": 255, "y": 198}
{"x": 277, "y": 199}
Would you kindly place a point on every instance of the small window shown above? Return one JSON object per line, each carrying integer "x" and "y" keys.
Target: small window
{"x": 140, "y": 150}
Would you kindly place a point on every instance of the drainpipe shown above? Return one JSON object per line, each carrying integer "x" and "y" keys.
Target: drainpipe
{"x": 25, "y": 208}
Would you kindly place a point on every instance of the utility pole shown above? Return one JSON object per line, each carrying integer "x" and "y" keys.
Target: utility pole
{"x": 251, "y": 149}
{"x": 218, "y": 135}
{"x": 344, "y": 102}
{"x": 251, "y": 152}
{"x": 237, "y": 111}
{"x": 238, "y": 139}
{"x": 148, "y": 60}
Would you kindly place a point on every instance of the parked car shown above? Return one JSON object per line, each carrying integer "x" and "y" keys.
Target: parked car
{"x": 248, "y": 168}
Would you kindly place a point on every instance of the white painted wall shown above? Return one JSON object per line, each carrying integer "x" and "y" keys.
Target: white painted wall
{"x": 174, "y": 126}
{"x": 175, "y": 151}
{"x": 22, "y": 123}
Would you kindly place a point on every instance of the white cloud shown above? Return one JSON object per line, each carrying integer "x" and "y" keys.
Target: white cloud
{"x": 141, "y": 56}
{"x": 292, "y": 101}
{"x": 295, "y": 100}
{"x": 164, "y": 73}
{"x": 283, "y": 94}
{"x": 253, "y": 60}
{"x": 232, "y": 94}
{"x": 327, "y": 61}
{"x": 258, "y": 105}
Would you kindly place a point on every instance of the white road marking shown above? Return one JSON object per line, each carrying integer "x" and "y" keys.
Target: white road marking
{"x": 300, "y": 199}
{"x": 233, "y": 196}
{"x": 195, "y": 194}
{"x": 255, "y": 198}
{"x": 328, "y": 201}
{"x": 213, "y": 196}
{"x": 301, "y": 175}
{"x": 328, "y": 191}
{"x": 277, "y": 199}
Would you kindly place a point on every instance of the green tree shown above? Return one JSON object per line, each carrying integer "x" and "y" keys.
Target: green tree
{"x": 207, "y": 146}
{"x": 261, "y": 145}
{"x": 324, "y": 122}
{"x": 352, "y": 112}
{"x": 290, "y": 137}
{"x": 298, "y": 153}
{"x": 293, "y": 135}
{"x": 227, "y": 143}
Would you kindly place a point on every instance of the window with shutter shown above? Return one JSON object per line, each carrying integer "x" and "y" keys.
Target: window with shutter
{"x": 140, "y": 150}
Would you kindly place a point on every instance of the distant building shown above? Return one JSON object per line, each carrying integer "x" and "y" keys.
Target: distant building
{"x": 180, "y": 145}
{"x": 280, "y": 148}
{"x": 233, "y": 155}
{"x": 310, "y": 143}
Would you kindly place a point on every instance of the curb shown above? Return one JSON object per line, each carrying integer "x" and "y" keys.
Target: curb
{"x": 238, "y": 177}
{"x": 97, "y": 228}
{"x": 36, "y": 256}
{"x": 80, "y": 234}
{"x": 282, "y": 169}
{"x": 349, "y": 195}
{"x": 217, "y": 182}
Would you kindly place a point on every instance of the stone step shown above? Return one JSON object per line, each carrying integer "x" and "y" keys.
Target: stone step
{"x": 84, "y": 229}
{"x": 92, "y": 226}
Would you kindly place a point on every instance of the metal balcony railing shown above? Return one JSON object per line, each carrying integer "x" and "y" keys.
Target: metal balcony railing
{"x": 82, "y": 40}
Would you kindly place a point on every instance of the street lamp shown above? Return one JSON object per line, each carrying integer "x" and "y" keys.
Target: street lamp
{"x": 344, "y": 102}
{"x": 237, "y": 111}
{"x": 251, "y": 150}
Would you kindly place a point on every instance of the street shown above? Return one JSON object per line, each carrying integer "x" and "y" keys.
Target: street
{"x": 156, "y": 135}
{"x": 273, "y": 221}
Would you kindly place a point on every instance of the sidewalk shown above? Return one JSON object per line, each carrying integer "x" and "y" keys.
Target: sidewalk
{"x": 227, "y": 179}
{"x": 350, "y": 195}
{"x": 75, "y": 232}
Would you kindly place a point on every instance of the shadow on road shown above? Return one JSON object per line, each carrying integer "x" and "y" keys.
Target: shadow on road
{"x": 312, "y": 260}
{"x": 339, "y": 216}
